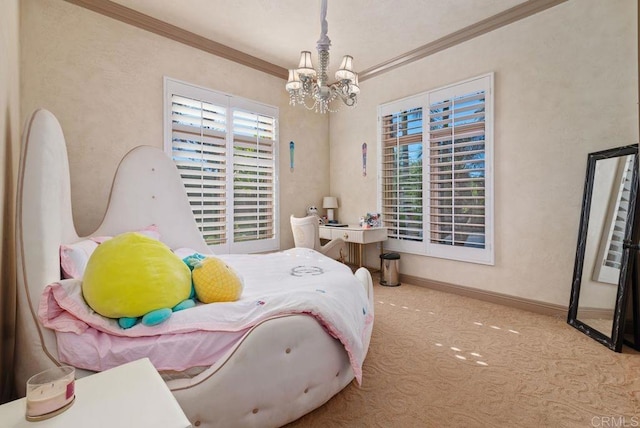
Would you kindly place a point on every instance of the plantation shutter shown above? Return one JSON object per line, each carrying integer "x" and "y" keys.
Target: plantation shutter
{"x": 225, "y": 148}
{"x": 610, "y": 254}
{"x": 402, "y": 197}
{"x": 619, "y": 225}
{"x": 435, "y": 172}
{"x": 198, "y": 147}
{"x": 253, "y": 176}
{"x": 456, "y": 180}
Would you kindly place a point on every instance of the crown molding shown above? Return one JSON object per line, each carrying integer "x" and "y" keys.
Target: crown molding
{"x": 146, "y": 22}
{"x": 479, "y": 28}
{"x": 161, "y": 28}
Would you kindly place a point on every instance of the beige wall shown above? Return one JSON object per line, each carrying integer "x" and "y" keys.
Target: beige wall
{"x": 9, "y": 85}
{"x": 104, "y": 81}
{"x": 10, "y": 127}
{"x": 566, "y": 84}
{"x": 9, "y": 152}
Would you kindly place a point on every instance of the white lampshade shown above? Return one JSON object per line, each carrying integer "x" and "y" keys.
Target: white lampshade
{"x": 305, "y": 68}
{"x": 293, "y": 83}
{"x": 329, "y": 202}
{"x": 345, "y": 72}
{"x": 354, "y": 88}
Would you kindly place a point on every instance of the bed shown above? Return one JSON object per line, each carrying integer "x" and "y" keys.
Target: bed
{"x": 278, "y": 368}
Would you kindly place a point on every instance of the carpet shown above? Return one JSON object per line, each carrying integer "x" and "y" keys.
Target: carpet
{"x": 442, "y": 360}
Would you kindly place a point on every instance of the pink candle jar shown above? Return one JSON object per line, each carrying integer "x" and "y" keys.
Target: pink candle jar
{"x": 50, "y": 392}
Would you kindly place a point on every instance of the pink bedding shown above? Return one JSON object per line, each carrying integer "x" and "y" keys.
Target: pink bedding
{"x": 289, "y": 282}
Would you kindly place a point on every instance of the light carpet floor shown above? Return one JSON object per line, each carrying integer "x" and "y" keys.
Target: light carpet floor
{"x": 442, "y": 360}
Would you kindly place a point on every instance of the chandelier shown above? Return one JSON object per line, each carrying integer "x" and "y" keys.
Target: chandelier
{"x": 311, "y": 89}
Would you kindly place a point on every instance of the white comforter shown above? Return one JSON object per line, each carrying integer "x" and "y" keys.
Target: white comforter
{"x": 289, "y": 282}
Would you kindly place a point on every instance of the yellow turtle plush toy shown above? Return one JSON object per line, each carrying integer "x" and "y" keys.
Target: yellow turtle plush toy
{"x": 133, "y": 276}
{"x": 215, "y": 281}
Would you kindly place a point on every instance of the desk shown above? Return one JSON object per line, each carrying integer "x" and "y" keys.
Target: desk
{"x": 355, "y": 235}
{"x": 131, "y": 395}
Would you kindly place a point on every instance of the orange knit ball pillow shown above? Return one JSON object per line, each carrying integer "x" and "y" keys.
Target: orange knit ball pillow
{"x": 215, "y": 281}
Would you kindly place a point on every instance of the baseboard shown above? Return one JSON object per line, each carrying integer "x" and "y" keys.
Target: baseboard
{"x": 488, "y": 296}
{"x": 595, "y": 313}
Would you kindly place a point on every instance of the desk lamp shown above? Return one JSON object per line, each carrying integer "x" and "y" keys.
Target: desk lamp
{"x": 330, "y": 203}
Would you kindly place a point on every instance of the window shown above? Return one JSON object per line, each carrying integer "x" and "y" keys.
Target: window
{"x": 619, "y": 171}
{"x": 436, "y": 195}
{"x": 225, "y": 148}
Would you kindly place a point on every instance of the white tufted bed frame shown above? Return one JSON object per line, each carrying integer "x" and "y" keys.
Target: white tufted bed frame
{"x": 280, "y": 370}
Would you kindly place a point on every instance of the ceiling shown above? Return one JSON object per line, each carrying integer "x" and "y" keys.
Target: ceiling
{"x": 372, "y": 31}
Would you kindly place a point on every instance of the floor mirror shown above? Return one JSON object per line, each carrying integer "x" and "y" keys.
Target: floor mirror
{"x": 604, "y": 292}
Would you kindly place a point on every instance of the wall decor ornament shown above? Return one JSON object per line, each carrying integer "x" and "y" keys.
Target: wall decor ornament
{"x": 364, "y": 159}
{"x": 292, "y": 147}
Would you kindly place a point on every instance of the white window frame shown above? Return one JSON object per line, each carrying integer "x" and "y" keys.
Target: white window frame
{"x": 609, "y": 259}
{"x": 424, "y": 100}
{"x": 231, "y": 103}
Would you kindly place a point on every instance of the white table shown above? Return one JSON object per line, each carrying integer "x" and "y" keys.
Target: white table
{"x": 355, "y": 235}
{"x": 131, "y": 395}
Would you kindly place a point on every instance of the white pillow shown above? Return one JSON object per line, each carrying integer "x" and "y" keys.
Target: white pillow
{"x": 74, "y": 257}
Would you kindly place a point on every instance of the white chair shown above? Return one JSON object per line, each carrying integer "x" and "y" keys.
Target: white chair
{"x": 306, "y": 234}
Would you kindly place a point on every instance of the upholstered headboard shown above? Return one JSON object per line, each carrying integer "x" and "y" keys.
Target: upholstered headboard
{"x": 146, "y": 190}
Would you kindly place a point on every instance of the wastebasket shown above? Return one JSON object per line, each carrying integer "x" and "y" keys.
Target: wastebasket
{"x": 389, "y": 275}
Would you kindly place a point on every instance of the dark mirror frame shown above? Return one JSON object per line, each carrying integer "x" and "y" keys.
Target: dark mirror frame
{"x": 616, "y": 339}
